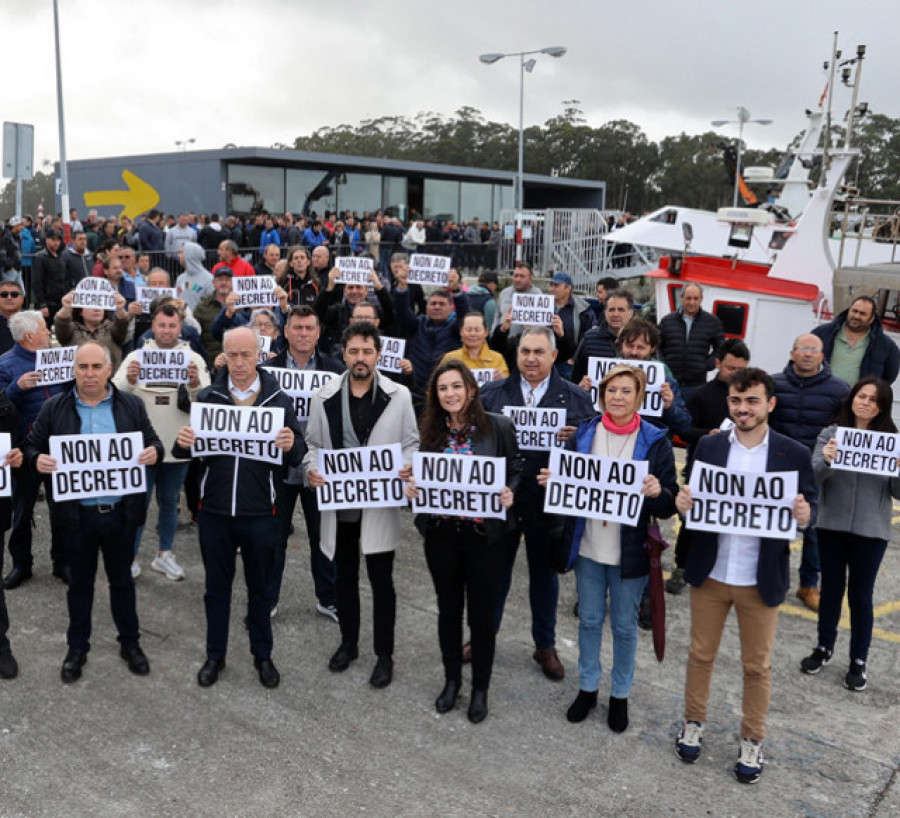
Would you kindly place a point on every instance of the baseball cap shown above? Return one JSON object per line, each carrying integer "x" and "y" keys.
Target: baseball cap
{"x": 222, "y": 270}
{"x": 15, "y": 221}
{"x": 562, "y": 278}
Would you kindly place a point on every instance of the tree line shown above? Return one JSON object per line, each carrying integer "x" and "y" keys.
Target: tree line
{"x": 640, "y": 174}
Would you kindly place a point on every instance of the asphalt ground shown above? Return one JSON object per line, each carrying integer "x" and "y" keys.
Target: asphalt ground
{"x": 323, "y": 744}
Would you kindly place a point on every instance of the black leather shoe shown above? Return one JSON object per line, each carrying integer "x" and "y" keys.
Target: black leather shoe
{"x": 268, "y": 673}
{"x": 383, "y": 672}
{"x": 16, "y": 577}
{"x": 617, "y": 718}
{"x": 478, "y": 706}
{"x": 342, "y": 658}
{"x": 61, "y": 572}
{"x": 447, "y": 700}
{"x": 137, "y": 662}
{"x": 585, "y": 701}
{"x": 71, "y": 666}
{"x": 9, "y": 668}
{"x": 209, "y": 673}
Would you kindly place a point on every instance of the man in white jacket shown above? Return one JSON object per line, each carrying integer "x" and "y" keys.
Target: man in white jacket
{"x": 362, "y": 408}
{"x": 168, "y": 406}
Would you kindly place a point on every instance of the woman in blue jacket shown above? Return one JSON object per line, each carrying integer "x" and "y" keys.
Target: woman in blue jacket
{"x": 609, "y": 558}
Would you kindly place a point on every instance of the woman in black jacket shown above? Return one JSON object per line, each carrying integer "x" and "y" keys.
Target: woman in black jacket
{"x": 299, "y": 281}
{"x": 9, "y": 424}
{"x": 464, "y": 554}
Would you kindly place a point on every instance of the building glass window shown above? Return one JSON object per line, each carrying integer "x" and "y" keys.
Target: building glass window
{"x": 394, "y": 197}
{"x": 253, "y": 188}
{"x": 504, "y": 199}
{"x": 441, "y": 199}
{"x": 475, "y": 201}
{"x": 311, "y": 191}
{"x": 359, "y": 191}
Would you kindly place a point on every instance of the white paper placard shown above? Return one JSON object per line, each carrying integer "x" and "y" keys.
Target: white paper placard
{"x": 56, "y": 364}
{"x": 354, "y": 269}
{"x": 94, "y": 292}
{"x": 652, "y": 406}
{"x": 145, "y": 295}
{"x": 456, "y": 485}
{"x": 163, "y": 366}
{"x": 365, "y": 477}
{"x": 536, "y": 427}
{"x": 429, "y": 270}
{"x": 868, "y": 452}
{"x": 101, "y": 465}
{"x": 239, "y": 431}
{"x": 392, "y": 350}
{"x": 255, "y": 291}
{"x": 300, "y": 384}
{"x": 532, "y": 309}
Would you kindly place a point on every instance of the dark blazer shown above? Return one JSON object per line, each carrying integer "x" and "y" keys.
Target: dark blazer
{"x": 500, "y": 443}
{"x": 773, "y": 571}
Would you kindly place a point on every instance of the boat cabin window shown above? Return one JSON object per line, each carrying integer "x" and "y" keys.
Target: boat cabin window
{"x": 733, "y": 316}
{"x": 668, "y": 216}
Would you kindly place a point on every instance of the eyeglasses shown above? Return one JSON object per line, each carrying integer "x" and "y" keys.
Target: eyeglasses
{"x": 814, "y": 350}
{"x": 10, "y": 294}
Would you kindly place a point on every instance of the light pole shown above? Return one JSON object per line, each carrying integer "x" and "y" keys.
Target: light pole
{"x": 743, "y": 119}
{"x": 524, "y": 65}
{"x": 63, "y": 168}
{"x": 183, "y": 143}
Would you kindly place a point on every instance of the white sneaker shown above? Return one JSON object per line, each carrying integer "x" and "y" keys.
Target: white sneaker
{"x": 166, "y": 565}
{"x": 135, "y": 569}
{"x": 274, "y": 612}
{"x": 328, "y": 610}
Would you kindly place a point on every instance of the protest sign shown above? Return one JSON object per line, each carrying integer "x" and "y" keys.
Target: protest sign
{"x": 354, "y": 269}
{"x": 145, "y": 295}
{"x": 5, "y": 471}
{"x": 240, "y": 431}
{"x": 597, "y": 487}
{"x": 536, "y": 427}
{"x": 56, "y": 364}
{"x": 300, "y": 385}
{"x": 483, "y": 376}
{"x": 94, "y": 292}
{"x": 255, "y": 291}
{"x": 868, "y": 452}
{"x": 391, "y": 354}
{"x": 734, "y": 502}
{"x": 102, "y": 465}
{"x": 264, "y": 348}
{"x": 459, "y": 486}
{"x": 656, "y": 376}
{"x": 163, "y": 366}
{"x": 365, "y": 477}
{"x": 532, "y": 309}
{"x": 429, "y": 270}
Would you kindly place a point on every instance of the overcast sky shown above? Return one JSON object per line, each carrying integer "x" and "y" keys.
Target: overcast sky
{"x": 138, "y": 75}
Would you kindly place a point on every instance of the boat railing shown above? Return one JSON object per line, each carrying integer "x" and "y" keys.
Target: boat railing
{"x": 863, "y": 221}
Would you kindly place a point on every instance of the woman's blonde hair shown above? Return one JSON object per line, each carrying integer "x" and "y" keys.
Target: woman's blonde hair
{"x": 634, "y": 372}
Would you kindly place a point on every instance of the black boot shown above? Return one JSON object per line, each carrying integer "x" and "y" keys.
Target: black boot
{"x": 447, "y": 700}
{"x": 585, "y": 701}
{"x": 478, "y": 706}
{"x": 618, "y": 714}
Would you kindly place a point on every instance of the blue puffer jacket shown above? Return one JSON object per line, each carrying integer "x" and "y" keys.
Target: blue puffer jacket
{"x": 805, "y": 406}
{"x": 653, "y": 446}
{"x": 28, "y": 402}
{"x": 882, "y": 356}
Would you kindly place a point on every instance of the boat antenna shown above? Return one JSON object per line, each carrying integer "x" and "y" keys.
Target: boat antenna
{"x": 826, "y": 144}
{"x": 845, "y": 78}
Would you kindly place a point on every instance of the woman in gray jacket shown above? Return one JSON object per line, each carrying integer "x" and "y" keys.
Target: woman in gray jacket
{"x": 854, "y": 526}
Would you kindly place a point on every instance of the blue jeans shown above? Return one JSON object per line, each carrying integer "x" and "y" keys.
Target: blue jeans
{"x": 852, "y": 562}
{"x": 594, "y": 582}
{"x": 168, "y": 479}
{"x": 809, "y": 559}
{"x": 543, "y": 581}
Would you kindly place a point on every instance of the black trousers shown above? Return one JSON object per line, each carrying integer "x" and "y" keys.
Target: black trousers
{"x": 105, "y": 534}
{"x": 467, "y": 574}
{"x": 26, "y": 492}
{"x": 4, "y": 613}
{"x": 380, "y": 568}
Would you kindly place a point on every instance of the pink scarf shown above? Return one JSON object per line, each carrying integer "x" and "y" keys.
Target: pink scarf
{"x": 627, "y": 429}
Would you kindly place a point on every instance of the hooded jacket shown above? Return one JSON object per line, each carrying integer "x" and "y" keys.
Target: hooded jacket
{"x": 196, "y": 281}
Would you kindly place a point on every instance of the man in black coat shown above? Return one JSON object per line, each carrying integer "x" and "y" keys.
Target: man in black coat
{"x": 97, "y": 525}
{"x": 689, "y": 339}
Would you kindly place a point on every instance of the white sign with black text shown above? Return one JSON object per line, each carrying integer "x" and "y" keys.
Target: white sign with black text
{"x": 300, "y": 384}
{"x": 392, "y": 350}
{"x": 102, "y": 465}
{"x": 5, "y": 471}
{"x": 734, "y": 502}
{"x": 255, "y": 291}
{"x": 94, "y": 292}
{"x": 536, "y": 427}
{"x": 532, "y": 309}
{"x": 652, "y": 406}
{"x": 163, "y": 366}
{"x": 56, "y": 364}
{"x": 459, "y": 485}
{"x": 354, "y": 269}
{"x": 366, "y": 477}
{"x": 145, "y": 295}
{"x": 868, "y": 452}
{"x": 593, "y": 486}
{"x": 429, "y": 270}
{"x": 239, "y": 431}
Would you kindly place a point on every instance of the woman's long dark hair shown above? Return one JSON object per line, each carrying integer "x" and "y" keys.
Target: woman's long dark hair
{"x": 882, "y": 422}
{"x": 433, "y": 423}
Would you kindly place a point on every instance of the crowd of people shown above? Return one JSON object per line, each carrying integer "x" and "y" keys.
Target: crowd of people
{"x": 468, "y": 373}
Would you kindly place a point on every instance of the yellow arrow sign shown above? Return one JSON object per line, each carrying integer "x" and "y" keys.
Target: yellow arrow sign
{"x": 139, "y": 198}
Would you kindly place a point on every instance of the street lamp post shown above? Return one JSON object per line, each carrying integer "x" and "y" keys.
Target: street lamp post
{"x": 63, "y": 168}
{"x": 743, "y": 119}
{"x": 183, "y": 143}
{"x": 524, "y": 65}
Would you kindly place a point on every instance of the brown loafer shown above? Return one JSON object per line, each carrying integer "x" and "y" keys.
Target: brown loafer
{"x": 809, "y": 597}
{"x": 548, "y": 659}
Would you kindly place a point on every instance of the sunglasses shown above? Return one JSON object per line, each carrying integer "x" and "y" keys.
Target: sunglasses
{"x": 10, "y": 294}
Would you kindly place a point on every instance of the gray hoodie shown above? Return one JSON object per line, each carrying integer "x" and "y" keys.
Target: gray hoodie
{"x": 196, "y": 281}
